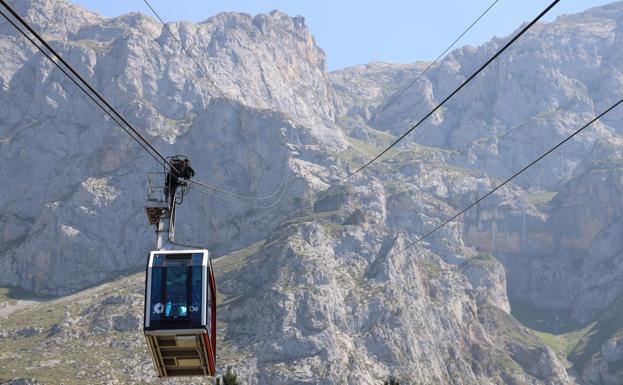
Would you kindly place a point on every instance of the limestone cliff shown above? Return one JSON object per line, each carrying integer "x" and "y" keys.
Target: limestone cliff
{"x": 311, "y": 288}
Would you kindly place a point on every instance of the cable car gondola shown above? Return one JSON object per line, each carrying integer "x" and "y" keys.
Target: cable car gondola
{"x": 180, "y": 292}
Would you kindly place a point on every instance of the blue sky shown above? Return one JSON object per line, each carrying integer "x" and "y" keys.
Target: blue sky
{"x": 360, "y": 31}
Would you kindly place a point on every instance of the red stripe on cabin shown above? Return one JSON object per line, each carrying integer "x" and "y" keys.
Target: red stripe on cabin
{"x": 211, "y": 363}
{"x": 213, "y": 318}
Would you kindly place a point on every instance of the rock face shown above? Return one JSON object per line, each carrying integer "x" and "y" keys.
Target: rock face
{"x": 583, "y": 246}
{"x": 315, "y": 283}
{"x": 365, "y": 88}
{"x": 555, "y": 78}
{"x": 21, "y": 381}
{"x": 134, "y": 63}
{"x": 306, "y": 322}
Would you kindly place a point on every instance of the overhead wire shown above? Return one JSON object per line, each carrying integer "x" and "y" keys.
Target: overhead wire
{"x": 282, "y": 192}
{"x": 93, "y": 94}
{"x": 207, "y": 76}
{"x": 461, "y": 212}
{"x": 463, "y": 84}
{"x": 236, "y": 195}
{"x": 499, "y": 186}
{"x": 395, "y": 97}
{"x": 197, "y": 63}
{"x": 214, "y": 195}
{"x": 82, "y": 83}
{"x": 117, "y": 118}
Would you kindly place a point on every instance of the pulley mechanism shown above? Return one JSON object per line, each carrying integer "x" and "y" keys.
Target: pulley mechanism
{"x": 177, "y": 177}
{"x": 164, "y": 199}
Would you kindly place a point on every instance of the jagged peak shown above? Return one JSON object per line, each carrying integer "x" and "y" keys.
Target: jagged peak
{"x": 56, "y": 16}
{"x": 274, "y": 17}
{"x": 611, "y": 11}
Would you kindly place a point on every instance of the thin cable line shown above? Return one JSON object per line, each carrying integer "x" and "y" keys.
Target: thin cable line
{"x": 81, "y": 87}
{"x": 96, "y": 94}
{"x": 396, "y": 96}
{"x": 486, "y": 64}
{"x": 516, "y": 174}
{"x": 241, "y": 196}
{"x": 214, "y": 190}
{"x": 222, "y": 94}
{"x": 213, "y": 195}
{"x": 199, "y": 65}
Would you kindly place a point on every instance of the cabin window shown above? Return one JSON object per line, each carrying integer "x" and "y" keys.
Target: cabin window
{"x": 197, "y": 259}
{"x": 176, "y": 289}
{"x": 157, "y": 304}
{"x": 177, "y": 286}
{"x": 158, "y": 261}
{"x": 196, "y": 308}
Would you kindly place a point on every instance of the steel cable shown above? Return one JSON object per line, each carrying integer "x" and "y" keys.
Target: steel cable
{"x": 499, "y": 186}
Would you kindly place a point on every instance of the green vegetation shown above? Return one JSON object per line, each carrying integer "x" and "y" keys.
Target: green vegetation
{"x": 564, "y": 344}
{"x": 12, "y": 294}
{"x": 332, "y": 199}
{"x": 93, "y": 45}
{"x": 352, "y": 123}
{"x": 541, "y": 198}
{"x": 230, "y": 378}
{"x": 358, "y": 151}
{"x": 232, "y": 262}
{"x": 544, "y": 320}
{"x": 5, "y": 297}
{"x": 510, "y": 327}
{"x": 70, "y": 354}
{"x": 433, "y": 269}
{"x": 327, "y": 216}
{"x": 482, "y": 259}
{"x": 540, "y": 116}
{"x": 238, "y": 258}
{"x": 589, "y": 346}
{"x": 575, "y": 344}
{"x": 463, "y": 171}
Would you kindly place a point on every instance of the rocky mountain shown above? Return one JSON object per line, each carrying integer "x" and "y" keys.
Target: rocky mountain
{"x": 314, "y": 287}
{"x": 161, "y": 93}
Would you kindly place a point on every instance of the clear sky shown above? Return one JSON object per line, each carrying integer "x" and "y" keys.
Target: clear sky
{"x": 360, "y": 31}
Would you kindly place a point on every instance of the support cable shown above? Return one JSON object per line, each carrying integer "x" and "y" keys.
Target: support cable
{"x": 499, "y": 186}
{"x": 463, "y": 84}
{"x": 222, "y": 94}
{"x": 399, "y": 94}
{"x": 82, "y": 83}
{"x": 197, "y": 63}
{"x": 213, "y": 195}
{"x": 240, "y": 196}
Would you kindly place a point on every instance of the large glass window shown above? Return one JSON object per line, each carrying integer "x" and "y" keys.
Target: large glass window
{"x": 177, "y": 285}
{"x": 197, "y": 287}
{"x": 176, "y": 301}
{"x": 156, "y": 302}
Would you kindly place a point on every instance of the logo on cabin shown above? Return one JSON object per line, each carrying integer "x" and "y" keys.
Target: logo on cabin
{"x": 158, "y": 308}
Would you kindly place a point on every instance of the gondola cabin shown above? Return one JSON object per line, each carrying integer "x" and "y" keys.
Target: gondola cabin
{"x": 180, "y": 312}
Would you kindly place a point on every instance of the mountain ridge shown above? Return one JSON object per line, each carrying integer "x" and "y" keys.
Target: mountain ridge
{"x": 304, "y": 296}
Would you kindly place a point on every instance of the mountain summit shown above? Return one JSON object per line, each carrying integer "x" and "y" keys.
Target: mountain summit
{"x": 524, "y": 289}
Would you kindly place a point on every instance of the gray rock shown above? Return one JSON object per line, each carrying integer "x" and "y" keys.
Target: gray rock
{"x": 612, "y": 350}
{"x": 22, "y": 381}
{"x": 28, "y": 331}
{"x": 126, "y": 322}
{"x": 330, "y": 292}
